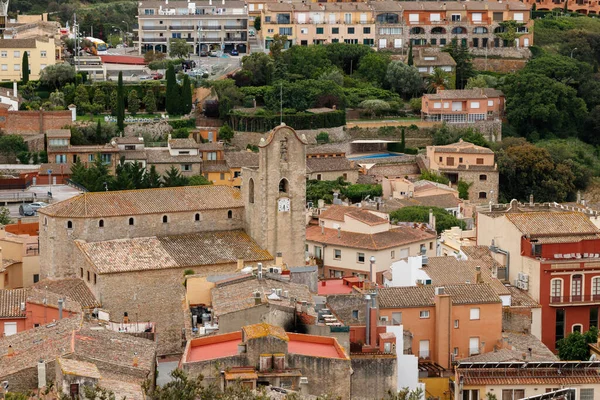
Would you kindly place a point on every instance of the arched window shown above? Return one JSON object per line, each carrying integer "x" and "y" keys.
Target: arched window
{"x": 438, "y": 30}
{"x": 596, "y": 288}
{"x": 417, "y": 30}
{"x": 251, "y": 191}
{"x": 480, "y": 30}
{"x": 577, "y": 328}
{"x": 69, "y": 224}
{"x": 131, "y": 222}
{"x": 499, "y": 29}
{"x": 165, "y": 219}
{"x": 459, "y": 30}
{"x": 283, "y": 186}
{"x": 197, "y": 217}
{"x": 229, "y": 214}
{"x": 556, "y": 285}
{"x": 101, "y": 223}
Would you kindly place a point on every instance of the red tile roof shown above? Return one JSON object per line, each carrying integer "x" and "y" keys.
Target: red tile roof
{"x": 337, "y": 213}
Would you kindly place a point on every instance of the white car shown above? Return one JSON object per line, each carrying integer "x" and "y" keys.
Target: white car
{"x": 37, "y": 205}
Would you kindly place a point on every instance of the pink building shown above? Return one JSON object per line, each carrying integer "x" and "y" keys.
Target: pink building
{"x": 457, "y": 106}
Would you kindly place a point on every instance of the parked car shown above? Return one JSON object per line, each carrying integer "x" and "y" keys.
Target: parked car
{"x": 204, "y": 53}
{"x": 37, "y": 205}
{"x": 145, "y": 78}
{"x": 157, "y": 76}
{"x": 213, "y": 54}
{"x": 26, "y": 210}
{"x": 234, "y": 52}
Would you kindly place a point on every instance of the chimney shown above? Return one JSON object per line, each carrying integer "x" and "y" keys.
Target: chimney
{"x": 223, "y": 2}
{"x": 322, "y": 229}
{"x": 339, "y": 232}
{"x": 136, "y": 360}
{"x": 578, "y": 197}
{"x": 531, "y": 199}
{"x": 11, "y": 351}
{"x": 73, "y": 109}
{"x": 279, "y": 259}
{"x": 240, "y": 264}
{"x": 257, "y": 299}
{"x": 478, "y": 278}
{"x": 210, "y": 2}
{"x": 431, "y": 219}
{"x": 259, "y": 270}
{"x": 60, "y": 308}
{"x": 41, "y": 374}
{"x": 15, "y": 91}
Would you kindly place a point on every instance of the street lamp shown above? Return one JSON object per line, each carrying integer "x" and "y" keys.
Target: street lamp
{"x": 126, "y": 23}
{"x": 573, "y": 51}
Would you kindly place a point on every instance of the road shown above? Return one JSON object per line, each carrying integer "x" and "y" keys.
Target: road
{"x": 59, "y": 193}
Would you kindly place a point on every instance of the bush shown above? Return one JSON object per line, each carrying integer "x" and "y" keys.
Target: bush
{"x": 443, "y": 219}
{"x": 415, "y": 105}
{"x": 183, "y": 123}
{"x": 267, "y": 121}
{"x": 434, "y": 177}
{"x": 322, "y": 137}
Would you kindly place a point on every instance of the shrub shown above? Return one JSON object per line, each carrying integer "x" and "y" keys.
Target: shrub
{"x": 323, "y": 137}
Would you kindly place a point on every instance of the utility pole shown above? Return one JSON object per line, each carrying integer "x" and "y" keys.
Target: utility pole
{"x": 280, "y": 103}
{"x": 76, "y": 28}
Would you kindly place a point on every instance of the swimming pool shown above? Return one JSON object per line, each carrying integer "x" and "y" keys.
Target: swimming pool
{"x": 378, "y": 155}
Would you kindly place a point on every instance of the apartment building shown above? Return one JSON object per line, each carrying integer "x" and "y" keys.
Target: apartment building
{"x": 459, "y": 106}
{"x": 207, "y": 25}
{"x": 41, "y": 52}
{"x": 551, "y": 254}
{"x": 473, "y": 24}
{"x": 319, "y": 23}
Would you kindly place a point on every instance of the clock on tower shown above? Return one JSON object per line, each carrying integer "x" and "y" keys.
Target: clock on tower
{"x": 283, "y": 204}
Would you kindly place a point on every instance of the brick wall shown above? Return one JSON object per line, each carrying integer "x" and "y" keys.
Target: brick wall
{"x": 35, "y": 122}
{"x": 516, "y": 319}
{"x": 373, "y": 376}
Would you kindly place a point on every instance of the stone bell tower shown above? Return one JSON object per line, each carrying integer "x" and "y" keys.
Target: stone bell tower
{"x": 275, "y": 195}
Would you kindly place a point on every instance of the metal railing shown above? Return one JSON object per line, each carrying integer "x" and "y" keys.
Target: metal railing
{"x": 582, "y": 298}
{"x": 210, "y": 28}
{"x": 237, "y": 27}
{"x": 154, "y": 40}
{"x": 182, "y": 27}
{"x": 154, "y": 28}
{"x": 32, "y": 251}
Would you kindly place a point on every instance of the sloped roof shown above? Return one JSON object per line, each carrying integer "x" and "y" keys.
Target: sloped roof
{"x": 556, "y": 227}
{"x": 178, "y": 251}
{"x": 161, "y": 155}
{"x": 423, "y": 296}
{"x": 325, "y": 164}
{"x": 337, "y": 213}
{"x": 240, "y": 159}
{"x": 10, "y": 302}
{"x": 146, "y": 201}
{"x": 447, "y": 200}
{"x": 378, "y": 241}
{"x": 460, "y": 146}
{"x": 78, "y": 368}
{"x": 183, "y": 144}
{"x": 73, "y": 288}
{"x": 258, "y": 331}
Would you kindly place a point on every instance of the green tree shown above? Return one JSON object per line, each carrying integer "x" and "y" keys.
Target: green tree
{"x": 322, "y": 137}
{"x": 153, "y": 179}
{"x": 481, "y": 81}
{"x": 99, "y": 98}
{"x": 57, "y": 99}
{"x": 347, "y": 57}
{"x": 113, "y": 103}
{"x": 173, "y": 178}
{"x": 359, "y": 192}
{"x": 97, "y": 393}
{"x": 25, "y": 67}
{"x": 226, "y": 133}
{"x": 260, "y": 67}
{"x": 464, "y": 66}
{"x": 434, "y": 177}
{"x": 539, "y": 107}
{"x": 438, "y": 80}
{"x": 463, "y": 189}
{"x": 11, "y": 145}
{"x": 575, "y": 347}
{"x": 5, "y": 216}
{"x": 180, "y": 133}
{"x": 404, "y": 79}
{"x": 16, "y": 396}
{"x": 56, "y": 76}
{"x": 443, "y": 219}
{"x": 373, "y": 67}
{"x": 179, "y": 48}
{"x": 82, "y": 100}
{"x": 95, "y": 178}
{"x": 150, "y": 102}
{"x": 410, "y": 60}
{"x": 186, "y": 95}
{"x": 133, "y": 102}
{"x": 120, "y": 103}
{"x": 509, "y": 32}
{"x": 172, "y": 99}
{"x": 152, "y": 55}
{"x": 24, "y": 157}
{"x": 374, "y": 106}
{"x": 198, "y": 180}
{"x": 257, "y": 23}
{"x": 561, "y": 68}
{"x": 277, "y": 45}
{"x": 307, "y": 61}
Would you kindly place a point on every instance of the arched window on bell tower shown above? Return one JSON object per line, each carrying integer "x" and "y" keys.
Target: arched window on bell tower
{"x": 283, "y": 186}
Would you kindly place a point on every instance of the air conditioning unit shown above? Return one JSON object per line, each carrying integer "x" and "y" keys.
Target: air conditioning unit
{"x": 525, "y": 278}
{"x": 439, "y": 290}
{"x": 520, "y": 276}
{"x": 516, "y": 283}
{"x": 525, "y": 285}
{"x": 303, "y": 380}
{"x": 274, "y": 270}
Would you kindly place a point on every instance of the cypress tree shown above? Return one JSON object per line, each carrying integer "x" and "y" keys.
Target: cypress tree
{"x": 120, "y": 104}
{"x": 172, "y": 95}
{"x": 25, "y": 67}
{"x": 566, "y": 10}
{"x": 186, "y": 95}
{"x": 410, "y": 55}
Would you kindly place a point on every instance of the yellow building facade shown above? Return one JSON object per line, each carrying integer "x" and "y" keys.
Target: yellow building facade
{"x": 41, "y": 52}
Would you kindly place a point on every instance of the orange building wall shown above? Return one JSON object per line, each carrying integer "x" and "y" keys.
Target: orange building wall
{"x": 20, "y": 228}
{"x": 36, "y": 314}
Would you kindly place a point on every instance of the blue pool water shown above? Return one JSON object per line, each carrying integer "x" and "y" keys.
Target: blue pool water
{"x": 371, "y": 156}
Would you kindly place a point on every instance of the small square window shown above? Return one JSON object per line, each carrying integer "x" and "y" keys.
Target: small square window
{"x": 335, "y": 31}
{"x": 360, "y": 257}
{"x": 474, "y": 313}
{"x": 319, "y": 31}
{"x": 351, "y": 31}
{"x": 337, "y": 254}
{"x": 366, "y": 30}
{"x": 424, "y": 314}
{"x": 36, "y": 278}
{"x": 222, "y": 176}
{"x": 355, "y": 314}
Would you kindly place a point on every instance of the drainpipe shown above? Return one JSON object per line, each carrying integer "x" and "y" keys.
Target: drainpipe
{"x": 498, "y": 250}
{"x": 368, "y": 332}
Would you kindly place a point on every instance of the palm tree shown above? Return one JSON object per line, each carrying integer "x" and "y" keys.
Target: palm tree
{"x": 438, "y": 80}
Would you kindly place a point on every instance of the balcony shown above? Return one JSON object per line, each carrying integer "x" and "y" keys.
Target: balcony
{"x": 235, "y": 39}
{"x": 154, "y": 40}
{"x": 235, "y": 27}
{"x": 154, "y": 28}
{"x": 210, "y": 28}
{"x": 575, "y": 300}
{"x": 181, "y": 27}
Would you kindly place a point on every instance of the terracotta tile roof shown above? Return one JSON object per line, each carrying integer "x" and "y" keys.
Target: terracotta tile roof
{"x": 183, "y": 144}
{"x": 18, "y": 43}
{"x": 460, "y": 146}
{"x": 441, "y": 58}
{"x": 378, "y": 241}
{"x": 73, "y": 288}
{"x": 190, "y": 250}
{"x": 58, "y": 133}
{"x": 237, "y": 294}
{"x": 258, "y": 331}
{"x": 78, "y": 368}
{"x": 520, "y": 298}
{"x": 40, "y": 296}
{"x": 133, "y": 154}
{"x": 423, "y": 296}
{"x": 464, "y": 94}
{"x": 329, "y": 148}
{"x": 56, "y": 169}
{"x": 10, "y": 302}
{"x": 439, "y": 200}
{"x": 337, "y": 213}
{"x": 448, "y": 270}
{"x": 129, "y": 140}
{"x": 325, "y": 164}
{"x": 511, "y": 377}
{"x": 515, "y": 347}
{"x": 213, "y": 146}
{"x": 146, "y": 201}
{"x": 554, "y": 227}
{"x": 215, "y": 166}
{"x": 163, "y": 156}
{"x": 240, "y": 159}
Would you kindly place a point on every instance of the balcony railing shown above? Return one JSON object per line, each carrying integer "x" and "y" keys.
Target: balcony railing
{"x": 181, "y": 27}
{"x": 154, "y": 28}
{"x": 154, "y": 40}
{"x": 235, "y": 27}
{"x": 575, "y": 300}
{"x": 210, "y": 28}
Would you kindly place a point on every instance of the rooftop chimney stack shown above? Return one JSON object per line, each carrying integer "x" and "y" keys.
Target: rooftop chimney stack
{"x": 15, "y": 91}
{"x": 60, "y": 308}
{"x": 279, "y": 259}
{"x": 478, "y": 278}
{"x": 578, "y": 197}
{"x": 240, "y": 264}
{"x": 339, "y": 232}
{"x": 531, "y": 200}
